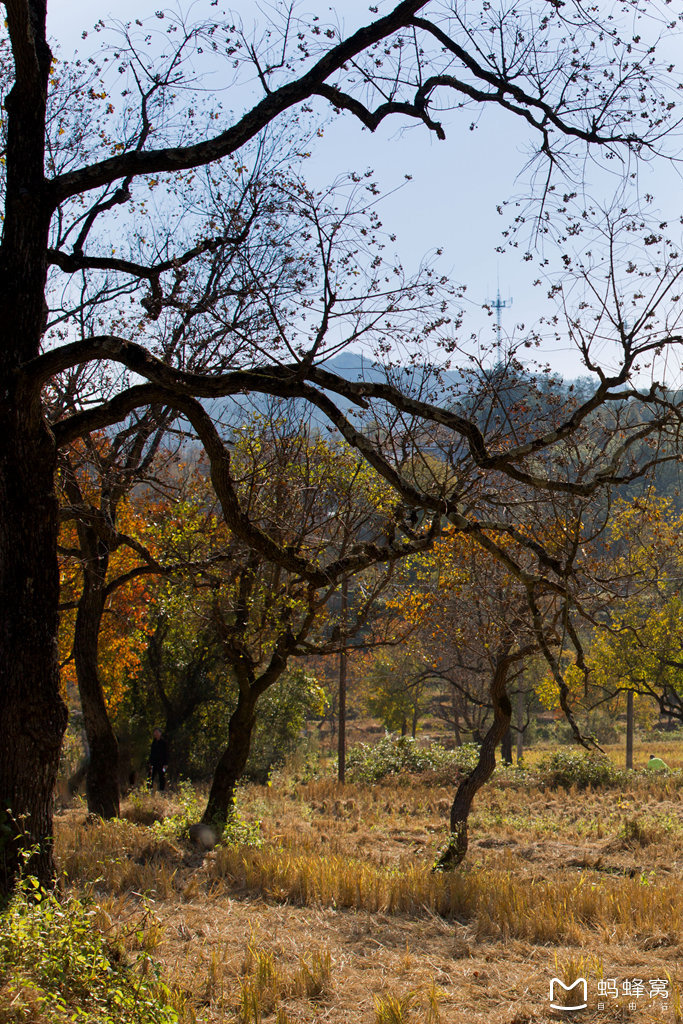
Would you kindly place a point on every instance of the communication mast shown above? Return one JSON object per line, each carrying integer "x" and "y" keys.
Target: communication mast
{"x": 498, "y": 305}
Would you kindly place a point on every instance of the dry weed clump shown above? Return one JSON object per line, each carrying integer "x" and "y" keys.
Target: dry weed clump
{"x": 117, "y": 856}
{"x": 393, "y": 1009}
{"x": 145, "y": 808}
{"x": 267, "y": 986}
{"x": 411, "y": 1007}
{"x": 500, "y": 903}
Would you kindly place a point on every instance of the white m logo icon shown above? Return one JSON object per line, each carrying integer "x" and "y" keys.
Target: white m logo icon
{"x": 581, "y": 994}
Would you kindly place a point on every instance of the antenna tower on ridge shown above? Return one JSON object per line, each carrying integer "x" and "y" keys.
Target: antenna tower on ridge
{"x": 498, "y": 305}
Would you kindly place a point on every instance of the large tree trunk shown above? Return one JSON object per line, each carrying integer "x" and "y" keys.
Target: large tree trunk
{"x": 232, "y": 763}
{"x": 471, "y": 784}
{"x": 32, "y": 712}
{"x": 102, "y": 779}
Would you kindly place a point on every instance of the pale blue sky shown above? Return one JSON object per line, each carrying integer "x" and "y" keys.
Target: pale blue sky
{"x": 456, "y": 185}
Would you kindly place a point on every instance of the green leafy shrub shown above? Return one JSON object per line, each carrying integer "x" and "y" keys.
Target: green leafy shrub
{"x": 282, "y": 712}
{"x": 57, "y": 967}
{"x": 514, "y": 776}
{"x": 397, "y": 755}
{"x": 175, "y": 826}
{"x": 302, "y": 766}
{"x": 580, "y": 768}
{"x": 237, "y": 831}
{"x": 465, "y": 757}
{"x": 668, "y": 734}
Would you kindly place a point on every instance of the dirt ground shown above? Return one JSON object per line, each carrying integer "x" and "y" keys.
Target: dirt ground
{"x": 375, "y": 955}
{"x": 556, "y": 885}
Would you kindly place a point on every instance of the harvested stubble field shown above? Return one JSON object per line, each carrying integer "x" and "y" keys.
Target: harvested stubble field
{"x": 337, "y": 917}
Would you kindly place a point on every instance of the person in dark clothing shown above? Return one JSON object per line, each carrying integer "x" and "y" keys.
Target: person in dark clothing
{"x": 158, "y": 761}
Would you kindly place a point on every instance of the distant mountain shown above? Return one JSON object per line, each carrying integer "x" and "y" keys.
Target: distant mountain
{"x": 421, "y": 381}
{"x": 485, "y": 397}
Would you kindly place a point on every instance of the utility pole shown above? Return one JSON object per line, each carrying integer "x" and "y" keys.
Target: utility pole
{"x": 629, "y": 728}
{"x": 343, "y": 658}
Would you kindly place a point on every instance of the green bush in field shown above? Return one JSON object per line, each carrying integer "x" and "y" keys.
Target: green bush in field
{"x": 282, "y": 712}
{"x": 581, "y": 768}
{"x": 57, "y": 967}
{"x": 188, "y": 805}
{"x": 396, "y": 755}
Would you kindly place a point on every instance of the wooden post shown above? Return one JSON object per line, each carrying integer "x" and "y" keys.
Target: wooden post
{"x": 341, "y": 734}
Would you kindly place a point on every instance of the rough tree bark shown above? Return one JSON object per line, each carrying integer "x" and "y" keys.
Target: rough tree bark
{"x": 232, "y": 763}
{"x": 32, "y": 712}
{"x": 102, "y": 772}
{"x": 456, "y": 849}
{"x": 102, "y": 777}
{"x": 250, "y": 687}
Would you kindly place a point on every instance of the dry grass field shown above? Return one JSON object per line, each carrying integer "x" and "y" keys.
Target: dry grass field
{"x": 336, "y": 915}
